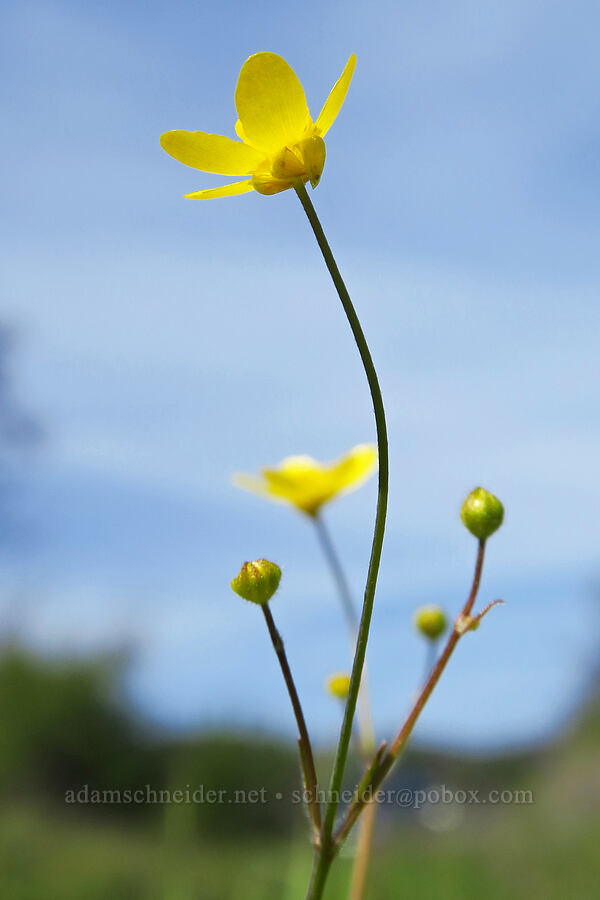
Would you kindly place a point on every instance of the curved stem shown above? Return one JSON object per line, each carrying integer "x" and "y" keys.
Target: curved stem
{"x": 379, "y": 529}
{"x": 306, "y": 754}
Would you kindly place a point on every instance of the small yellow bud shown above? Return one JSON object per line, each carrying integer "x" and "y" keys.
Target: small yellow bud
{"x": 257, "y": 581}
{"x": 482, "y": 513}
{"x": 338, "y": 685}
{"x": 430, "y": 621}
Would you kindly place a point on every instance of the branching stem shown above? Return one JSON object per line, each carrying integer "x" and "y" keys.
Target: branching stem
{"x": 326, "y": 852}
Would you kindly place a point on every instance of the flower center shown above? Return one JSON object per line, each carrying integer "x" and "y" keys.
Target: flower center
{"x": 305, "y": 160}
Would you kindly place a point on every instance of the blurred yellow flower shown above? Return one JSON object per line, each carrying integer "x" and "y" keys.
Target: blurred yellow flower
{"x": 279, "y": 142}
{"x": 338, "y": 685}
{"x": 308, "y": 484}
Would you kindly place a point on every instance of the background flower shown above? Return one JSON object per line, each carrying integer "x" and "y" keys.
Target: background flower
{"x": 308, "y": 484}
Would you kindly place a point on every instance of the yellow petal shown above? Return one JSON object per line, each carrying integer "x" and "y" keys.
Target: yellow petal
{"x": 334, "y": 102}
{"x": 298, "y": 480}
{"x": 302, "y": 481}
{"x": 228, "y": 190}
{"x": 252, "y": 483}
{"x": 271, "y": 103}
{"x": 211, "y": 152}
{"x": 355, "y": 467}
{"x": 294, "y": 470}
{"x": 267, "y": 185}
{"x": 239, "y": 130}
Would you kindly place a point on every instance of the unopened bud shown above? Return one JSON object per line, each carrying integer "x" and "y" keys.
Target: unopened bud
{"x": 482, "y": 513}
{"x": 257, "y": 581}
{"x": 430, "y": 621}
{"x": 338, "y": 685}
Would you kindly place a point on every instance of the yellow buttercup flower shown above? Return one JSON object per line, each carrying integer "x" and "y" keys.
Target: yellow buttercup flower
{"x": 308, "y": 484}
{"x": 279, "y": 142}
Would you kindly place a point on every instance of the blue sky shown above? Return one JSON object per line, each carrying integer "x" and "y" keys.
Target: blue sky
{"x": 166, "y": 343}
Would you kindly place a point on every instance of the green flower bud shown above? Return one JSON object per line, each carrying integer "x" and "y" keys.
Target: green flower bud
{"x": 257, "y": 581}
{"x": 430, "y": 621}
{"x": 482, "y": 513}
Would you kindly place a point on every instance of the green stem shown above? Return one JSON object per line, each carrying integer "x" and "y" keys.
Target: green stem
{"x": 306, "y": 754}
{"x": 339, "y": 577}
{"x": 365, "y": 718}
{"x": 321, "y": 866}
{"x": 316, "y": 889}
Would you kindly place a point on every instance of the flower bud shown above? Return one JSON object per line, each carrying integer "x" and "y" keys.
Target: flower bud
{"x": 338, "y": 685}
{"x": 482, "y": 513}
{"x": 257, "y": 581}
{"x": 430, "y": 621}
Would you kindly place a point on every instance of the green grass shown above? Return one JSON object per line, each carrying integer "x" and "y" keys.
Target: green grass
{"x": 518, "y": 852}
{"x": 547, "y": 850}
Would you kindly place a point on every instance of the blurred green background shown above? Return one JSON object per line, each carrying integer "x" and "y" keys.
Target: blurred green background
{"x": 64, "y": 726}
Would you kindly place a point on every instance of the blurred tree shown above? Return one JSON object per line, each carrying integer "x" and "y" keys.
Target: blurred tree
{"x": 63, "y": 727}
{"x": 20, "y": 432}
{"x": 255, "y": 775}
